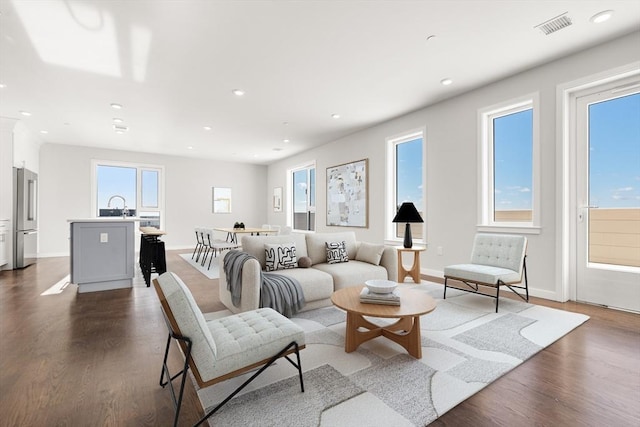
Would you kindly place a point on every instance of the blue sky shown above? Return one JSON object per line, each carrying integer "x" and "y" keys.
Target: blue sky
{"x": 614, "y": 153}
{"x": 409, "y": 167}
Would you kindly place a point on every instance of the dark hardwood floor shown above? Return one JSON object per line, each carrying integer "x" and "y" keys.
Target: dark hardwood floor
{"x": 94, "y": 360}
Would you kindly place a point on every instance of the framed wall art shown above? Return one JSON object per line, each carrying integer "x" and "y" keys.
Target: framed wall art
{"x": 348, "y": 194}
{"x": 277, "y": 199}
{"x": 221, "y": 200}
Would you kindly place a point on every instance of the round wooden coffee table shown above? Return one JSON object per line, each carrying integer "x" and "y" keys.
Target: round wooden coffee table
{"x": 406, "y": 331}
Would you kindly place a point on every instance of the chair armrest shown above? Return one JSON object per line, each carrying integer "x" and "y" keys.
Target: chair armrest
{"x": 389, "y": 261}
{"x": 250, "y": 299}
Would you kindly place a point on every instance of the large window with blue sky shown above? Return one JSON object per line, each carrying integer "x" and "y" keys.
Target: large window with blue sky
{"x": 509, "y": 164}
{"x": 406, "y": 177}
{"x": 128, "y": 189}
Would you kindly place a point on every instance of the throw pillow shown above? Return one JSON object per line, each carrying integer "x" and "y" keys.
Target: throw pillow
{"x": 336, "y": 252}
{"x": 368, "y": 252}
{"x": 280, "y": 257}
{"x": 304, "y": 262}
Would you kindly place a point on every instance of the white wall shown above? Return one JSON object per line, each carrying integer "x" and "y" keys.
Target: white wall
{"x": 65, "y": 192}
{"x": 451, "y": 141}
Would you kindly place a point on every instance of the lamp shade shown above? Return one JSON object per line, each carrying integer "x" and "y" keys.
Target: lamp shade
{"x": 407, "y": 213}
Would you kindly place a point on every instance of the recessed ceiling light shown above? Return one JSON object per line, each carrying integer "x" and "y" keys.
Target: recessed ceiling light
{"x": 44, "y": 132}
{"x": 25, "y": 113}
{"x": 285, "y": 123}
{"x": 601, "y": 16}
{"x": 117, "y": 120}
{"x": 189, "y": 148}
{"x": 285, "y": 141}
{"x": 2, "y": 85}
{"x": 335, "y": 116}
{"x": 116, "y": 106}
{"x": 431, "y": 37}
{"x": 120, "y": 128}
{"x": 206, "y": 127}
{"x": 277, "y": 149}
{"x": 238, "y": 92}
{"x": 446, "y": 82}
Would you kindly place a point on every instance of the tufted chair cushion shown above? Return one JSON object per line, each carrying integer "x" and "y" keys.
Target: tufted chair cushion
{"x": 498, "y": 250}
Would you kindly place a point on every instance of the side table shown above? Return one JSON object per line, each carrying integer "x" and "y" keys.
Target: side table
{"x": 414, "y": 271}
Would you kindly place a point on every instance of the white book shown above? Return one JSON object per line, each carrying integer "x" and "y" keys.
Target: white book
{"x": 391, "y": 296}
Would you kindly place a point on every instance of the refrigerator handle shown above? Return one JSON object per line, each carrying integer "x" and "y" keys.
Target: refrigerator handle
{"x": 31, "y": 200}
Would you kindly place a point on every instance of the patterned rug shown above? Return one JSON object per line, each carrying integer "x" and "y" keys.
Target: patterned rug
{"x": 465, "y": 346}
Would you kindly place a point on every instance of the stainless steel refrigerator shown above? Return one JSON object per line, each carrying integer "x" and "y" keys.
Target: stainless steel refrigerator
{"x": 25, "y": 243}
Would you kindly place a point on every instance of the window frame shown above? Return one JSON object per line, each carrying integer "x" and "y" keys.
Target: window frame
{"x": 486, "y": 188}
{"x": 391, "y": 179}
{"x": 291, "y": 195}
{"x": 139, "y": 167}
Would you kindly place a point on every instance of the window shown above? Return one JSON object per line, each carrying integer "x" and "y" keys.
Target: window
{"x": 303, "y": 184}
{"x": 405, "y": 179}
{"x": 124, "y": 188}
{"x": 509, "y": 165}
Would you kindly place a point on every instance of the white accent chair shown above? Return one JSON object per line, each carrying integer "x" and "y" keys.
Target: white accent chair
{"x": 213, "y": 246}
{"x": 496, "y": 260}
{"x": 216, "y": 350}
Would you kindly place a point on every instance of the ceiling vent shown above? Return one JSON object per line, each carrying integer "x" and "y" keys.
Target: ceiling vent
{"x": 554, "y": 24}
{"x": 120, "y": 128}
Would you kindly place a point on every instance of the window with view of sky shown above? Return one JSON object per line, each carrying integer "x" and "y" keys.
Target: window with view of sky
{"x": 513, "y": 174}
{"x": 614, "y": 153}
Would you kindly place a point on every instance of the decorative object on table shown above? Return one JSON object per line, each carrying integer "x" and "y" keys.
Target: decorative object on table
{"x": 379, "y": 286}
{"x": 390, "y": 298}
{"x": 238, "y": 225}
{"x": 407, "y": 213}
{"x": 277, "y": 199}
{"x": 347, "y": 194}
{"x": 221, "y": 200}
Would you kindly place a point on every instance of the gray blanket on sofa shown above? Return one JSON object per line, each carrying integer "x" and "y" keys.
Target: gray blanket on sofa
{"x": 282, "y": 293}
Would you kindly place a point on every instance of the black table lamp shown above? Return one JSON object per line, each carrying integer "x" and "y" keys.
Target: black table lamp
{"x": 407, "y": 213}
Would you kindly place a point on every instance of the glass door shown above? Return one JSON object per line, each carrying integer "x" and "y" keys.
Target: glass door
{"x": 608, "y": 196}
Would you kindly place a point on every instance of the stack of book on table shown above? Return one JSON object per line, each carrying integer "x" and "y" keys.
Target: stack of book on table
{"x": 391, "y": 298}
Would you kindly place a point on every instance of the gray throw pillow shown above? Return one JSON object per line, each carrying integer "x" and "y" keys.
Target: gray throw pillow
{"x": 368, "y": 252}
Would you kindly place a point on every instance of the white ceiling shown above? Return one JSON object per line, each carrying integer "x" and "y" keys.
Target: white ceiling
{"x": 173, "y": 65}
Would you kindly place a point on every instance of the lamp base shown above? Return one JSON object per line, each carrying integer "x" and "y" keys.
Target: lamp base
{"x": 408, "y": 241}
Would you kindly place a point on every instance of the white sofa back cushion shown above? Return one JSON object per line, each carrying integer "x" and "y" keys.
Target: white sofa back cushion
{"x": 317, "y": 248}
{"x": 254, "y": 245}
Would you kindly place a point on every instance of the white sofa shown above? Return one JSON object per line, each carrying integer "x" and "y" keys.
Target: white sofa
{"x": 320, "y": 280}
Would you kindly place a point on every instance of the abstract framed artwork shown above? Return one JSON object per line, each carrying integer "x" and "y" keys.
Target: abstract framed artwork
{"x": 348, "y": 194}
{"x": 221, "y": 200}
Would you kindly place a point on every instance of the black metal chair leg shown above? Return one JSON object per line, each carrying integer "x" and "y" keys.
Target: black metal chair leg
{"x": 445, "y": 289}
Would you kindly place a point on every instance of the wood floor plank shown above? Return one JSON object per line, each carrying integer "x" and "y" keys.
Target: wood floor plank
{"x": 94, "y": 359}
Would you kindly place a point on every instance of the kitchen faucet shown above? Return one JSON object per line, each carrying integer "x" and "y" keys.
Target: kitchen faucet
{"x": 125, "y": 211}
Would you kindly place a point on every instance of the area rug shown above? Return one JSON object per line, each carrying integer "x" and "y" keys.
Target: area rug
{"x": 211, "y": 273}
{"x": 465, "y": 347}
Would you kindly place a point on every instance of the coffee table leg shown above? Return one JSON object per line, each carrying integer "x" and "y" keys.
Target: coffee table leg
{"x": 354, "y": 336}
{"x": 409, "y": 338}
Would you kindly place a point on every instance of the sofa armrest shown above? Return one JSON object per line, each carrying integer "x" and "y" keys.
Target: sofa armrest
{"x": 250, "y": 299}
{"x": 389, "y": 261}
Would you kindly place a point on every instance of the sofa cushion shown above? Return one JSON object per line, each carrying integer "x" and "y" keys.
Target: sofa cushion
{"x": 254, "y": 245}
{"x": 351, "y": 273}
{"x": 316, "y": 284}
{"x": 316, "y": 245}
{"x": 368, "y": 252}
{"x": 280, "y": 256}
{"x": 336, "y": 252}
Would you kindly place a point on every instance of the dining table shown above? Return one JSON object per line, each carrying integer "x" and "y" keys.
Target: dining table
{"x": 232, "y": 233}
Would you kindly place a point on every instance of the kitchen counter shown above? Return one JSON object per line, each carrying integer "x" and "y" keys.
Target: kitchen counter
{"x": 106, "y": 219}
{"x": 102, "y": 253}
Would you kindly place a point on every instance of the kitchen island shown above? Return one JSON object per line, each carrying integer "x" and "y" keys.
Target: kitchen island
{"x": 102, "y": 253}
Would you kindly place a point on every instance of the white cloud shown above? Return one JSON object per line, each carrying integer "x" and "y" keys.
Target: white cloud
{"x": 525, "y": 190}
{"x": 624, "y": 189}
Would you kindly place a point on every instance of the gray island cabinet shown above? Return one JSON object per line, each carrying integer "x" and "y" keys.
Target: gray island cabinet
{"x": 102, "y": 253}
